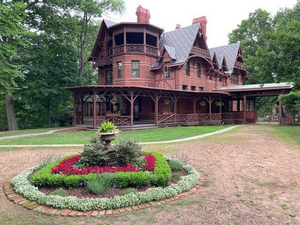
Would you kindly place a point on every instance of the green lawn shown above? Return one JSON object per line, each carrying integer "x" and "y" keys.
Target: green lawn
{"x": 29, "y": 131}
{"x": 289, "y": 133}
{"x": 82, "y": 137}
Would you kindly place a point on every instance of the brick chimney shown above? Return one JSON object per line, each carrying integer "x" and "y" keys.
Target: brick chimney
{"x": 177, "y": 26}
{"x": 203, "y": 21}
{"x": 143, "y": 15}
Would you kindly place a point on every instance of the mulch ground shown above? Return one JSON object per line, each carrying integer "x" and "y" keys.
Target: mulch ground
{"x": 253, "y": 178}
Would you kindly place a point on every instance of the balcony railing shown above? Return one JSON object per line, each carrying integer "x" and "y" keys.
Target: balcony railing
{"x": 135, "y": 48}
{"x": 201, "y": 52}
{"x": 104, "y": 61}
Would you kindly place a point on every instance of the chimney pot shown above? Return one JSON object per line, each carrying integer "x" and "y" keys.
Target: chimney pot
{"x": 177, "y": 26}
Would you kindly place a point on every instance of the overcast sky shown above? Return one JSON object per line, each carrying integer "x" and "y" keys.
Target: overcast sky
{"x": 222, "y": 15}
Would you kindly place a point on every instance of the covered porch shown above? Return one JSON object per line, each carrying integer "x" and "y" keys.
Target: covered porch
{"x": 140, "y": 107}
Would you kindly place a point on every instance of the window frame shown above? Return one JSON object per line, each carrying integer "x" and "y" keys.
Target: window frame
{"x": 135, "y": 70}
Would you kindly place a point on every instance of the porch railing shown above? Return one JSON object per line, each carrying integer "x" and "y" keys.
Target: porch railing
{"x": 135, "y": 48}
{"x": 189, "y": 119}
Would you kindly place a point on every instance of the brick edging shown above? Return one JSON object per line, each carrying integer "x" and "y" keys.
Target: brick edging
{"x": 20, "y": 200}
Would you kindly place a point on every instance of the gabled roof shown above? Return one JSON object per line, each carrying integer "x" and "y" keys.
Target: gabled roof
{"x": 171, "y": 51}
{"x": 229, "y": 51}
{"x": 181, "y": 40}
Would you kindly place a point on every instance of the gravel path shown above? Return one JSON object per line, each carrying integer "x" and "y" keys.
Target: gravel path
{"x": 253, "y": 178}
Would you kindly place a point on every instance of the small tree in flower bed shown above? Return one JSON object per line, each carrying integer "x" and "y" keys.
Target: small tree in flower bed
{"x": 128, "y": 152}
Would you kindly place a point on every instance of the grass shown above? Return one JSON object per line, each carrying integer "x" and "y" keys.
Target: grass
{"x": 291, "y": 134}
{"x": 82, "y": 137}
{"x": 29, "y": 131}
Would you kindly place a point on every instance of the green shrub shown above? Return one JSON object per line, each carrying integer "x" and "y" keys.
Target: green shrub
{"x": 174, "y": 165}
{"x": 59, "y": 192}
{"x": 93, "y": 154}
{"x": 128, "y": 151}
{"x": 107, "y": 127}
{"x": 129, "y": 190}
{"x": 98, "y": 184}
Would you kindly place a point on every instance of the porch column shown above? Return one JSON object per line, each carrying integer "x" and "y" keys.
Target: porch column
{"x": 238, "y": 104}
{"x": 254, "y": 108}
{"x": 245, "y": 109}
{"x": 280, "y": 112}
{"x": 210, "y": 108}
{"x": 74, "y": 109}
{"x": 131, "y": 108}
{"x": 194, "y": 105}
{"x": 220, "y": 100}
{"x": 94, "y": 110}
{"x": 82, "y": 111}
{"x": 156, "y": 109}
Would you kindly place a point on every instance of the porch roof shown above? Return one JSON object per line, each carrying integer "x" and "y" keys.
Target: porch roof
{"x": 141, "y": 88}
{"x": 257, "y": 87}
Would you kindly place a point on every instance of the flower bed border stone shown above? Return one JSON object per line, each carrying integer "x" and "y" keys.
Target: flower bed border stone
{"x": 34, "y": 203}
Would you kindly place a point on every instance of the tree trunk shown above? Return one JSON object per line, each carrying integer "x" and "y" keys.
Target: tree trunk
{"x": 10, "y": 112}
{"x": 48, "y": 115}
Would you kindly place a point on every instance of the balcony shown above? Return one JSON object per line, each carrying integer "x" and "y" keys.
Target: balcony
{"x": 103, "y": 61}
{"x": 135, "y": 48}
{"x": 200, "y": 52}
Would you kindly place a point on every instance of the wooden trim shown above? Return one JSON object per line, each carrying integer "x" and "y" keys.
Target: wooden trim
{"x": 245, "y": 109}
{"x": 94, "y": 110}
{"x": 131, "y": 108}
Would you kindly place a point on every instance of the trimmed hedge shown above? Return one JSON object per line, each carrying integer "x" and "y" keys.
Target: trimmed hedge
{"x": 159, "y": 177}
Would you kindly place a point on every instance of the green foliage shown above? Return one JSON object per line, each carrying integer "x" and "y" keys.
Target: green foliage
{"x": 176, "y": 176}
{"x": 12, "y": 36}
{"x": 129, "y": 190}
{"x": 159, "y": 177}
{"x": 98, "y": 184}
{"x": 128, "y": 151}
{"x": 59, "y": 192}
{"x": 292, "y": 102}
{"x": 93, "y": 154}
{"x": 175, "y": 165}
{"x": 107, "y": 127}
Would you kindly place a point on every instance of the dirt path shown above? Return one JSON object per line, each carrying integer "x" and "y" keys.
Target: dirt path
{"x": 253, "y": 178}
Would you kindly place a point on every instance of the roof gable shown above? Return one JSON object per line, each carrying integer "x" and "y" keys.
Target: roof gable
{"x": 182, "y": 40}
{"x": 230, "y": 52}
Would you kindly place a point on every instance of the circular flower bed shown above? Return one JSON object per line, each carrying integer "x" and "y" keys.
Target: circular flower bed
{"x": 23, "y": 186}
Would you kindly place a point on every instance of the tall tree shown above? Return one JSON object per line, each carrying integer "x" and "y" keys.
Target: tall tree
{"x": 11, "y": 37}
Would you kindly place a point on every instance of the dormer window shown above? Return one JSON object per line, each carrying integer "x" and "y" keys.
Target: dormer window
{"x": 167, "y": 72}
{"x": 135, "y": 64}
{"x": 187, "y": 69}
{"x": 198, "y": 70}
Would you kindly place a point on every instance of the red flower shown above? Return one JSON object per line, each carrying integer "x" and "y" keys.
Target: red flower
{"x": 66, "y": 167}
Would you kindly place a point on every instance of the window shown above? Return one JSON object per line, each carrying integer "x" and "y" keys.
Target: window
{"x": 184, "y": 87}
{"x": 221, "y": 78}
{"x": 200, "y": 88}
{"x": 193, "y": 88}
{"x": 234, "y": 79}
{"x": 119, "y": 64}
{"x": 167, "y": 72}
{"x": 108, "y": 77}
{"x": 135, "y": 64}
{"x": 187, "y": 69}
{"x": 198, "y": 70}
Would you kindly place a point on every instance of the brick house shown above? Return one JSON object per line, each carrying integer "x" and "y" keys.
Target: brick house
{"x": 148, "y": 77}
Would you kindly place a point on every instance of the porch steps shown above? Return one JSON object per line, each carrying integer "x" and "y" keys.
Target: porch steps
{"x": 71, "y": 129}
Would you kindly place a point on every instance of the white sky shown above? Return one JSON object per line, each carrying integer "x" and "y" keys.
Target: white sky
{"x": 223, "y": 16}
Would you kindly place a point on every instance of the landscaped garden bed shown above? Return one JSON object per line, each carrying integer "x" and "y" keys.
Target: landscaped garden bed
{"x": 105, "y": 177}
